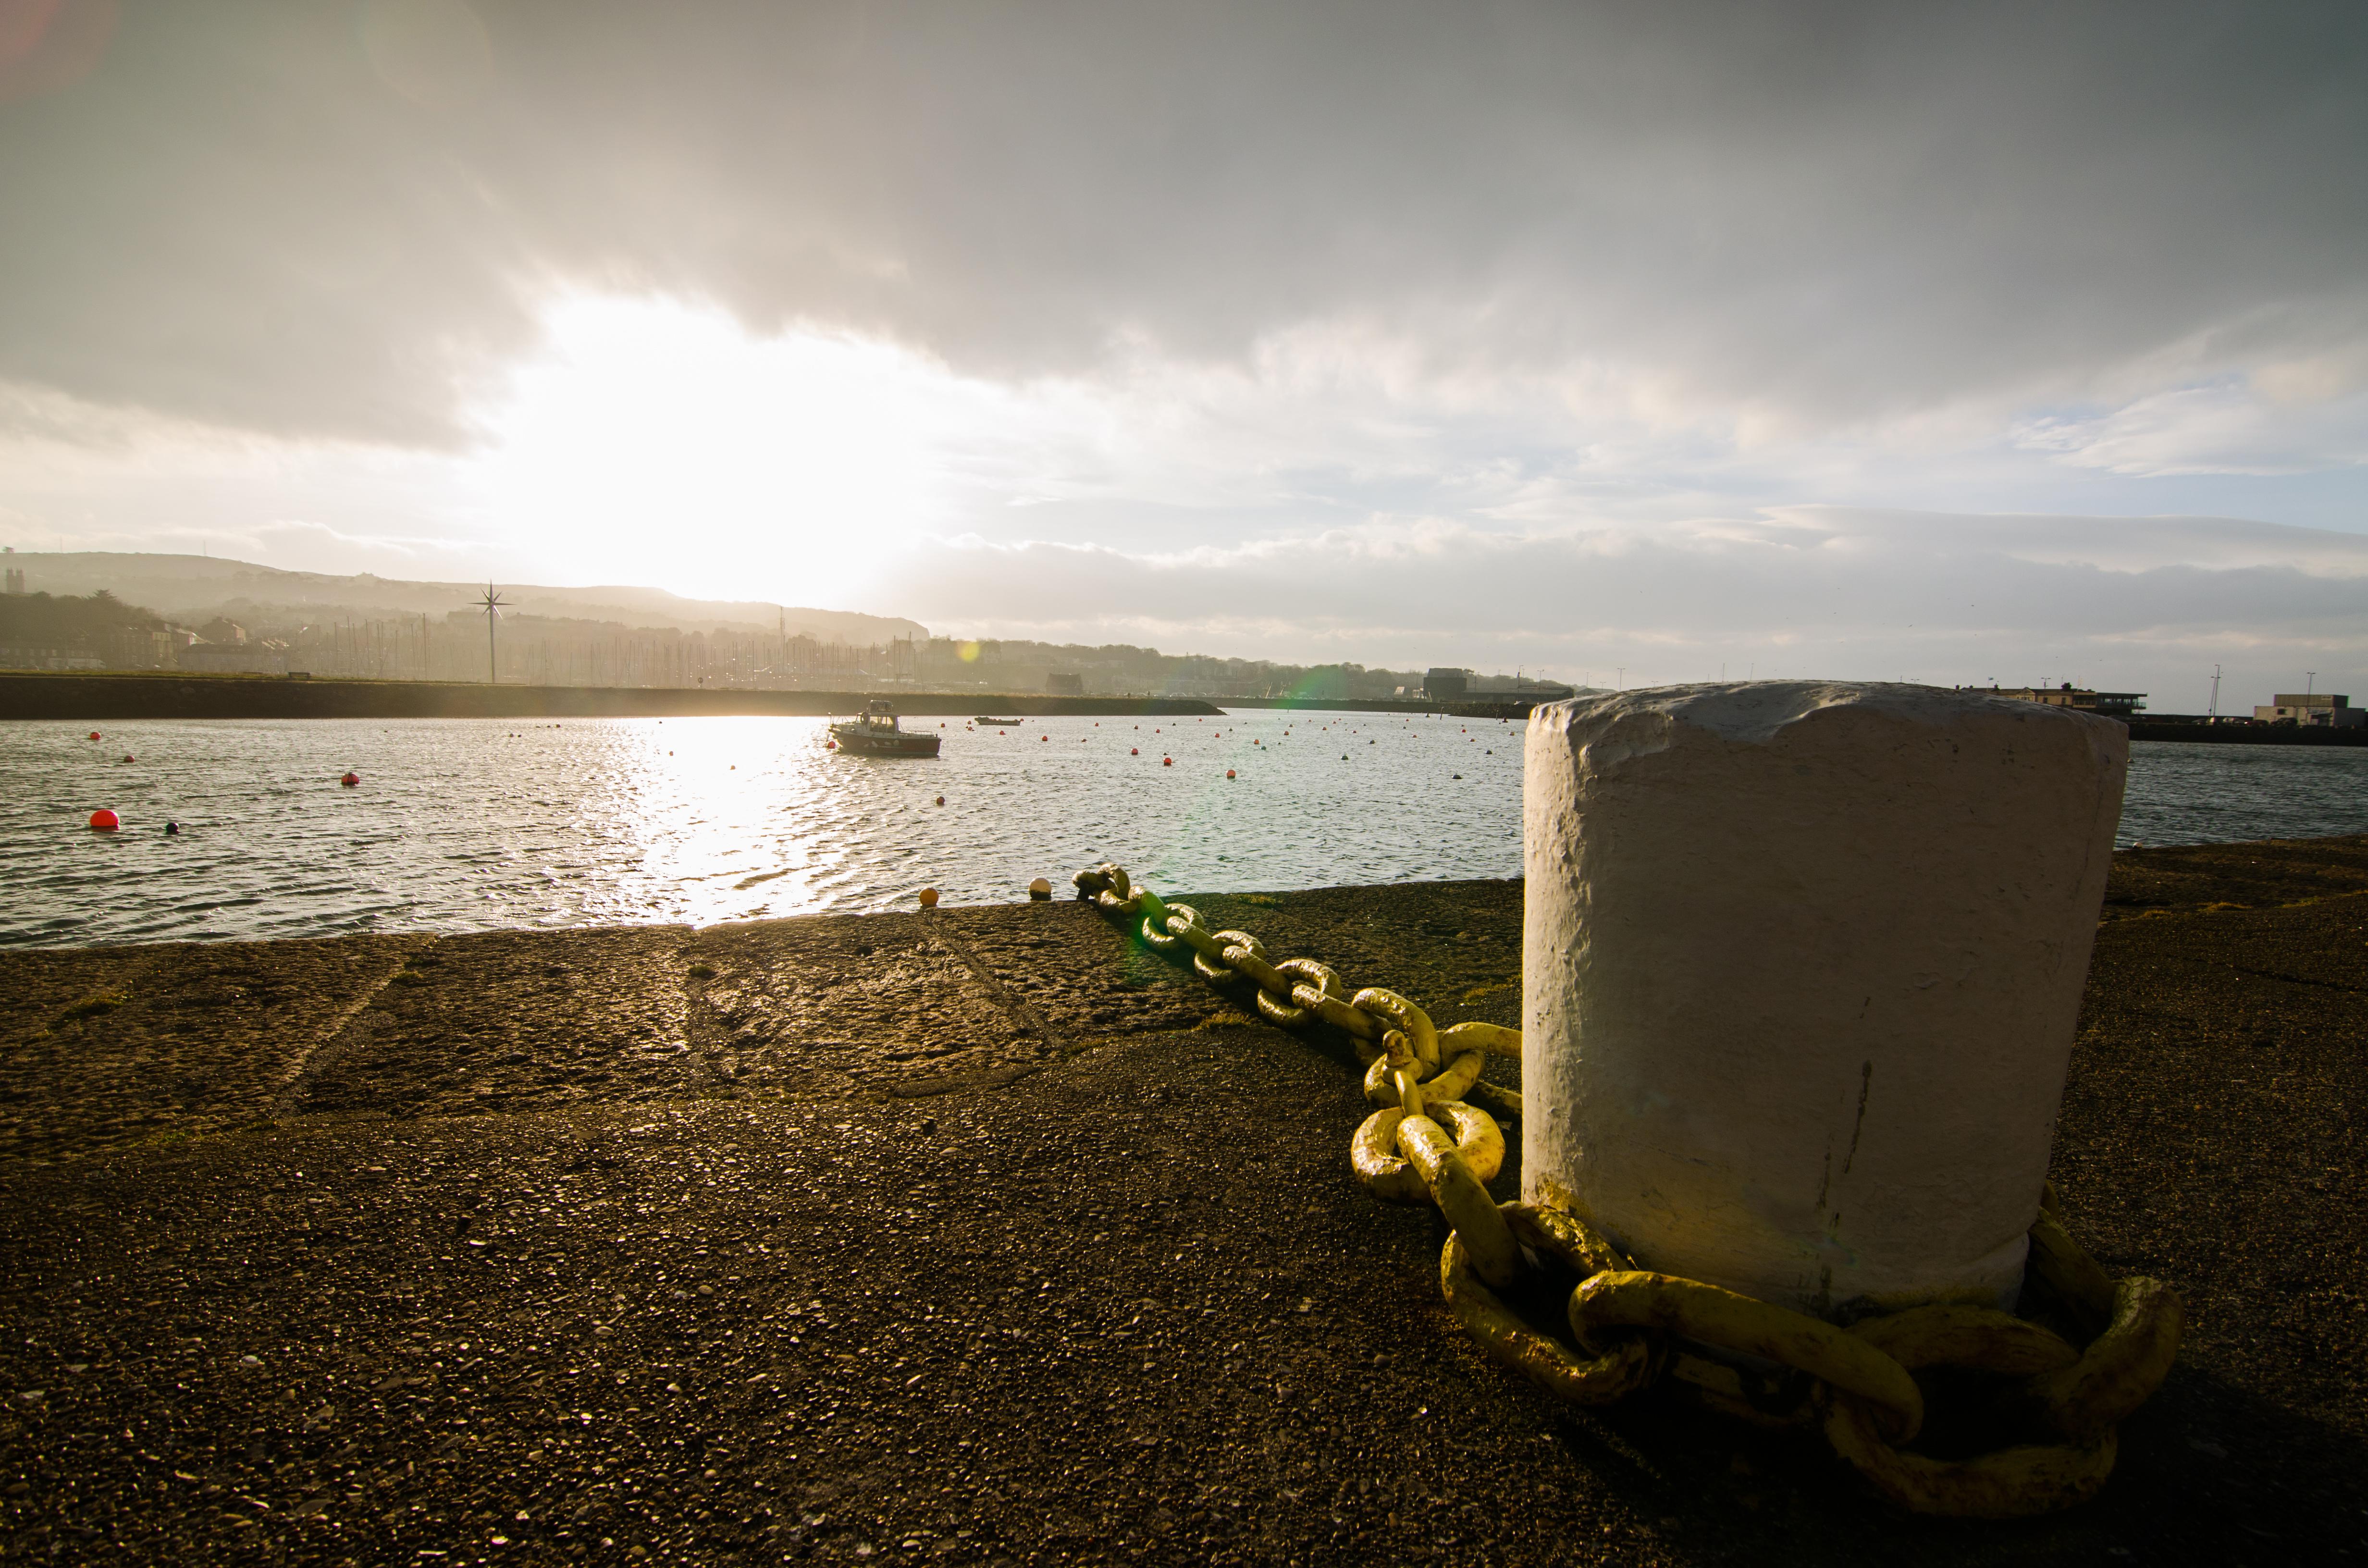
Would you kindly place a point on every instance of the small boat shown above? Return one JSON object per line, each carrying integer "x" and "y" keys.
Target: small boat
{"x": 877, "y": 734}
{"x": 982, "y": 719}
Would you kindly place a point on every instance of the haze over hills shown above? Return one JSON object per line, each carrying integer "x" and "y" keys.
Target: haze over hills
{"x": 196, "y": 588}
{"x": 199, "y": 612}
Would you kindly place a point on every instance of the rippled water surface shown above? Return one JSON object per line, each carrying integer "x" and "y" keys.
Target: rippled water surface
{"x": 469, "y": 825}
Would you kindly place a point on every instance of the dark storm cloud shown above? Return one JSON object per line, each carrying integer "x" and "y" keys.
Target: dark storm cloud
{"x": 332, "y": 217}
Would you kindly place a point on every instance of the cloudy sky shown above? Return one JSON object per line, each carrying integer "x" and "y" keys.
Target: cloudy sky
{"x": 1640, "y": 342}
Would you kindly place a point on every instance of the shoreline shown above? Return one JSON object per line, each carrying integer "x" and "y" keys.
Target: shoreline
{"x": 113, "y": 697}
{"x": 75, "y": 698}
{"x": 116, "y": 696}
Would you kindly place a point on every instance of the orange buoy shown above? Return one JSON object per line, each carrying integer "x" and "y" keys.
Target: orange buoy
{"x": 350, "y": 779}
{"x": 826, "y": 746}
{"x": 103, "y": 820}
{"x": 928, "y": 898}
{"x": 1229, "y": 773}
{"x": 1039, "y": 888}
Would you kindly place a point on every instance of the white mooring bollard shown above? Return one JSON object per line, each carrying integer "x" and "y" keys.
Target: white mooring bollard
{"x": 1800, "y": 968}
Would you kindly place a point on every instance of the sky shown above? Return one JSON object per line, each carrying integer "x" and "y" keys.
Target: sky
{"x": 1625, "y": 344}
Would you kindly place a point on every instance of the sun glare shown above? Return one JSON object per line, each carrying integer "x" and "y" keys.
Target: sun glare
{"x": 658, "y": 442}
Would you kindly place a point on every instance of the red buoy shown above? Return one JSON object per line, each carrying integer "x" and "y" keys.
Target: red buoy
{"x": 1229, "y": 773}
{"x": 93, "y": 734}
{"x": 942, "y": 800}
{"x": 127, "y": 756}
{"x": 1167, "y": 762}
{"x": 350, "y": 779}
{"x": 826, "y": 746}
{"x": 103, "y": 820}
{"x": 1134, "y": 751}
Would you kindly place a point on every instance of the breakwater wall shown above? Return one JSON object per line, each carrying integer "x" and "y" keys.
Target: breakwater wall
{"x": 2245, "y": 734}
{"x": 1512, "y": 707}
{"x": 80, "y": 697}
{"x": 138, "y": 694}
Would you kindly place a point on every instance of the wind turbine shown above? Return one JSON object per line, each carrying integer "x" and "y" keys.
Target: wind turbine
{"x": 492, "y": 602}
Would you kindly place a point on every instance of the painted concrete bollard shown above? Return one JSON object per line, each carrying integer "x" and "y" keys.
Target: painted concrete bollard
{"x": 1802, "y": 964}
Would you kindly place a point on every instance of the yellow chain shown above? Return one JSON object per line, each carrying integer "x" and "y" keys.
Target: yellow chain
{"x": 1433, "y": 1141}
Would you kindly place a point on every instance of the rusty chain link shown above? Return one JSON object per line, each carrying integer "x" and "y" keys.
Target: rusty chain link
{"x": 2088, "y": 1352}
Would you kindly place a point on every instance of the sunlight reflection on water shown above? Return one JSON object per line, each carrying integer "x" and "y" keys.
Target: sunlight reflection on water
{"x": 463, "y": 825}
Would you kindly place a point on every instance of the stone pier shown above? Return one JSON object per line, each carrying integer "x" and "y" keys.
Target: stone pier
{"x": 984, "y": 1236}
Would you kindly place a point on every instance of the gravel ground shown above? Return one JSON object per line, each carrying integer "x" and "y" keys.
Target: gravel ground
{"x": 983, "y": 1236}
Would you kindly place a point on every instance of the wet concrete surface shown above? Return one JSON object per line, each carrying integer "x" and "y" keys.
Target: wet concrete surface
{"x": 988, "y": 1236}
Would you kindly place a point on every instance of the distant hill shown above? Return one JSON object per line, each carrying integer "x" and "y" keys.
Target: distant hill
{"x": 193, "y": 588}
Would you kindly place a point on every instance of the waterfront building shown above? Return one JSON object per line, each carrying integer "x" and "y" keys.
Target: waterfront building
{"x": 1446, "y": 684}
{"x": 2320, "y": 709}
{"x": 2107, "y": 704}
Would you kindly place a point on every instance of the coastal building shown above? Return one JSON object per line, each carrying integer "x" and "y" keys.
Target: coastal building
{"x": 2322, "y": 709}
{"x": 266, "y": 658}
{"x": 24, "y": 658}
{"x": 1518, "y": 685}
{"x": 1444, "y": 685}
{"x": 2121, "y": 705}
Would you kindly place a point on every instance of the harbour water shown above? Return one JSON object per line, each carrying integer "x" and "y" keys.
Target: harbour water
{"x": 474, "y": 824}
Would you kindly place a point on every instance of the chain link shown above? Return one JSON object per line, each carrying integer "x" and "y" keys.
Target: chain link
{"x": 1433, "y": 1141}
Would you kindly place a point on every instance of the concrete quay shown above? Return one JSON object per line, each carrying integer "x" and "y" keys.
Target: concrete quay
{"x": 986, "y": 1236}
